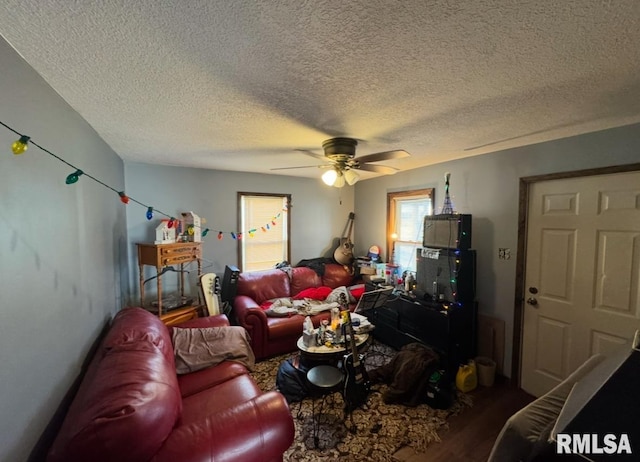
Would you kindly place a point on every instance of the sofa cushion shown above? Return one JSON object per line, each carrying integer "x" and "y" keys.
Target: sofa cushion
{"x": 193, "y": 383}
{"x": 214, "y": 400}
{"x": 264, "y": 285}
{"x": 133, "y": 324}
{"x": 129, "y": 400}
{"x": 303, "y": 277}
{"x": 336, "y": 275}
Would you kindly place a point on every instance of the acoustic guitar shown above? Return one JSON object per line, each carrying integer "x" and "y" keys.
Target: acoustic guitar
{"x": 356, "y": 383}
{"x": 344, "y": 253}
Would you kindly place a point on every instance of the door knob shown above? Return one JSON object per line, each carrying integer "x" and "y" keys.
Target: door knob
{"x": 533, "y": 290}
{"x": 532, "y": 301}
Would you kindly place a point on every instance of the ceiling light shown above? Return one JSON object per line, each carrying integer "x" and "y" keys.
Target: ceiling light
{"x": 339, "y": 183}
{"x": 329, "y": 177}
{"x": 351, "y": 177}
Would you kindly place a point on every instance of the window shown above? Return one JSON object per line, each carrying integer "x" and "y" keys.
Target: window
{"x": 263, "y": 243}
{"x": 405, "y": 216}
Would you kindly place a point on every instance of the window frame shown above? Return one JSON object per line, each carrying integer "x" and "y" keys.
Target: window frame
{"x": 286, "y": 216}
{"x": 392, "y": 198}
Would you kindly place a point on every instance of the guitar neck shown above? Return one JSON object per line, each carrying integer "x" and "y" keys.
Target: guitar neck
{"x": 352, "y": 339}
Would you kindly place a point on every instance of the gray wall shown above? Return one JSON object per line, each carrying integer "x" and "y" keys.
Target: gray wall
{"x": 61, "y": 249}
{"x": 319, "y": 213}
{"x": 487, "y": 187}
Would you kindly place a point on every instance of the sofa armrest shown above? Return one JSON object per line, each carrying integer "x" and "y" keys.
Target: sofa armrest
{"x": 249, "y": 315}
{"x": 258, "y": 430}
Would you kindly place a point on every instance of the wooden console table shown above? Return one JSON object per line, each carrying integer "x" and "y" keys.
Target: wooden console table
{"x": 161, "y": 255}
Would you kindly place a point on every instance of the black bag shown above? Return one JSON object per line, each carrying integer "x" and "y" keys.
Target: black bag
{"x": 440, "y": 390}
{"x": 291, "y": 380}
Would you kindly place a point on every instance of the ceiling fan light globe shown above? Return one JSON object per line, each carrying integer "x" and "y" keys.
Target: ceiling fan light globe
{"x": 329, "y": 177}
{"x": 351, "y": 177}
{"x": 339, "y": 183}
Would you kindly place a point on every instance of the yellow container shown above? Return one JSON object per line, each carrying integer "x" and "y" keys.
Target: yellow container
{"x": 467, "y": 378}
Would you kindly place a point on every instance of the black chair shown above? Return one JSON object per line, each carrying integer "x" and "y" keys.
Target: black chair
{"x": 324, "y": 381}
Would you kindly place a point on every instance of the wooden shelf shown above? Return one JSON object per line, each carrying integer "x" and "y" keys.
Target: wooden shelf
{"x": 161, "y": 255}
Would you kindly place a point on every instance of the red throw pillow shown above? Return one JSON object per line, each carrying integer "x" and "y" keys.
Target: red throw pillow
{"x": 314, "y": 293}
{"x": 266, "y": 304}
{"x": 357, "y": 291}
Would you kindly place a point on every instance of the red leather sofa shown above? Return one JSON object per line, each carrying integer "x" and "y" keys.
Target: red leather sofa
{"x": 271, "y": 336}
{"x": 131, "y": 405}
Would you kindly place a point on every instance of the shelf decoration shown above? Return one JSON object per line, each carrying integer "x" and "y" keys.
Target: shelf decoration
{"x": 22, "y": 144}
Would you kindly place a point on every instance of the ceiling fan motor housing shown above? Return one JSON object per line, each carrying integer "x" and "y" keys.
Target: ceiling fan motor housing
{"x": 340, "y": 148}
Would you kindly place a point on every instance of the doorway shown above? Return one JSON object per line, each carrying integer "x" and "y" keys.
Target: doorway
{"x": 578, "y": 281}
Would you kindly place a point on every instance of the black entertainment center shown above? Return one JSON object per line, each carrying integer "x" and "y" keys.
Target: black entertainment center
{"x": 441, "y": 311}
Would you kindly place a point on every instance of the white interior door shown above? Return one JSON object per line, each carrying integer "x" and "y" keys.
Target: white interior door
{"x": 582, "y": 275}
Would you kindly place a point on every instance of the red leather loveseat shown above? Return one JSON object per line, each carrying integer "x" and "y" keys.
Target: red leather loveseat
{"x": 132, "y": 407}
{"x": 271, "y": 336}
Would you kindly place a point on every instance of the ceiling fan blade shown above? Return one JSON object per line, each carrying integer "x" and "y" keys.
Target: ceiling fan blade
{"x": 303, "y": 166}
{"x": 378, "y": 169}
{"x": 312, "y": 154}
{"x": 385, "y": 155}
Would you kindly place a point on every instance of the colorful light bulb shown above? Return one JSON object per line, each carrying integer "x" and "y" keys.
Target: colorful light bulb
{"x": 220, "y": 236}
{"x": 149, "y": 213}
{"x": 73, "y": 177}
{"x": 123, "y": 197}
{"x": 205, "y": 232}
{"x": 21, "y": 145}
{"x": 171, "y": 222}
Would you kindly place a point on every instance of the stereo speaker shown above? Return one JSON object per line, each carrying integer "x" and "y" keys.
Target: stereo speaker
{"x": 446, "y": 275}
{"x": 229, "y": 283}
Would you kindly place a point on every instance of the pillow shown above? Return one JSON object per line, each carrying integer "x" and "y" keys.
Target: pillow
{"x": 357, "y": 291}
{"x": 314, "y": 293}
{"x": 335, "y": 294}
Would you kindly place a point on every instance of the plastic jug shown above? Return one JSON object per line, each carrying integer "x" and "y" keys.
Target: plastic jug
{"x": 467, "y": 378}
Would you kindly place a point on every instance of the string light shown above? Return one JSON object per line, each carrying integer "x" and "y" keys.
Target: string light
{"x": 73, "y": 177}
{"x": 21, "y": 145}
{"x": 123, "y": 197}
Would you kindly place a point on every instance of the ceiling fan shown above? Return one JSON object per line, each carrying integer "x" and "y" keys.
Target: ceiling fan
{"x": 340, "y": 153}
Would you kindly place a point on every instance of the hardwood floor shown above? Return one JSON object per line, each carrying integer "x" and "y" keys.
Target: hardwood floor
{"x": 471, "y": 434}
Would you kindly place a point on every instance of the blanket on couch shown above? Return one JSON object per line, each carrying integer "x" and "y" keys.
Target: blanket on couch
{"x": 197, "y": 348}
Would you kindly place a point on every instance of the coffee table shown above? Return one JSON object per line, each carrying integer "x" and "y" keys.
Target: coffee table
{"x": 323, "y": 353}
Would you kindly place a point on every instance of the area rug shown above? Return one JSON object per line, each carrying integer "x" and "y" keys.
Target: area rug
{"x": 380, "y": 429}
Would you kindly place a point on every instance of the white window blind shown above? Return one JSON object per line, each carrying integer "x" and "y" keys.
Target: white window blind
{"x": 408, "y": 226}
{"x": 269, "y": 247}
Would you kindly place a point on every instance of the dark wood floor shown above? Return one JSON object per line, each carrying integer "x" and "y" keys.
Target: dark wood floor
{"x": 471, "y": 434}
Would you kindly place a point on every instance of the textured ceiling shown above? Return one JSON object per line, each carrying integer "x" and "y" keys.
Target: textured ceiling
{"x": 243, "y": 84}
